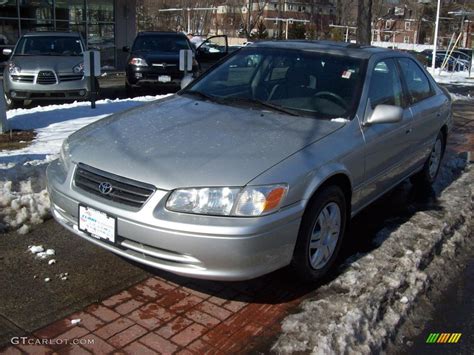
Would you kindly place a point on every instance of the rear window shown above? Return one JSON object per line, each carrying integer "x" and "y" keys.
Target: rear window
{"x": 160, "y": 43}
{"x": 49, "y": 45}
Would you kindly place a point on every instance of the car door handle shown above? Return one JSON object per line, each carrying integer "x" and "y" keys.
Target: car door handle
{"x": 408, "y": 131}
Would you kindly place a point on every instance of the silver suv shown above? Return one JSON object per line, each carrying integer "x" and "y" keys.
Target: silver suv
{"x": 259, "y": 163}
{"x": 45, "y": 65}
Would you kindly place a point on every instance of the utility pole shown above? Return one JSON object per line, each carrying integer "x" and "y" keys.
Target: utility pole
{"x": 435, "y": 43}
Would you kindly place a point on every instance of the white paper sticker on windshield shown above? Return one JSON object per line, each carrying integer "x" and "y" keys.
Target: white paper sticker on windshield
{"x": 346, "y": 74}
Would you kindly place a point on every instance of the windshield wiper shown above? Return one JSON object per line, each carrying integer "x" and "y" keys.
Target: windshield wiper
{"x": 261, "y": 103}
{"x": 200, "y": 94}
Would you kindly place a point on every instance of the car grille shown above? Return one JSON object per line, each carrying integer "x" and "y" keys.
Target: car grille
{"x": 46, "y": 78}
{"x": 125, "y": 191}
{"x": 70, "y": 77}
{"x": 23, "y": 78}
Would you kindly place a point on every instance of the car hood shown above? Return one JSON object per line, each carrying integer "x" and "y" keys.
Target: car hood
{"x": 181, "y": 142}
{"x": 59, "y": 64}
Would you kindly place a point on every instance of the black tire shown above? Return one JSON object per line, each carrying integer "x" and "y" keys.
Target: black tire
{"x": 427, "y": 176}
{"x": 301, "y": 262}
{"x": 130, "y": 92}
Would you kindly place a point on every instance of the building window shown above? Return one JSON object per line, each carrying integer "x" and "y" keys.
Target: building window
{"x": 40, "y": 10}
{"x": 407, "y": 26}
{"x": 386, "y": 38}
{"x": 8, "y": 31}
{"x": 18, "y": 17}
{"x": 388, "y": 24}
{"x": 406, "y": 39}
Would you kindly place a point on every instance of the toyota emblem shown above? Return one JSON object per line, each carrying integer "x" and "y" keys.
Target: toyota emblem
{"x": 105, "y": 188}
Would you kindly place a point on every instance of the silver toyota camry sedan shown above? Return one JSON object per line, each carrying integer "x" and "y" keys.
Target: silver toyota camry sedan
{"x": 258, "y": 164}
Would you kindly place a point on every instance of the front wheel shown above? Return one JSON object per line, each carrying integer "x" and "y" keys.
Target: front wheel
{"x": 11, "y": 103}
{"x": 427, "y": 176}
{"x": 321, "y": 234}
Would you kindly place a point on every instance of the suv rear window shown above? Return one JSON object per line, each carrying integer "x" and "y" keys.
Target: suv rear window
{"x": 49, "y": 45}
{"x": 160, "y": 43}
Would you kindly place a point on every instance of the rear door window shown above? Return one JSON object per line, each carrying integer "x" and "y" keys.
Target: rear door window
{"x": 418, "y": 85}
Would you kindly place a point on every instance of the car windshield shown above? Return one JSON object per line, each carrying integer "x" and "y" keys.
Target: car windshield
{"x": 49, "y": 45}
{"x": 160, "y": 43}
{"x": 315, "y": 84}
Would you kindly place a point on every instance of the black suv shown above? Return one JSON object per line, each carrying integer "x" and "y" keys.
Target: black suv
{"x": 154, "y": 59}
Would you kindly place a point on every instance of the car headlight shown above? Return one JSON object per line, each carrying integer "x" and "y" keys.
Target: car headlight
{"x": 251, "y": 201}
{"x": 139, "y": 62}
{"x": 65, "y": 156}
{"x": 78, "y": 69}
{"x": 13, "y": 68}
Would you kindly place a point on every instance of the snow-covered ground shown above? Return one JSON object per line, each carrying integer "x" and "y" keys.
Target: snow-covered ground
{"x": 460, "y": 78}
{"x": 23, "y": 197}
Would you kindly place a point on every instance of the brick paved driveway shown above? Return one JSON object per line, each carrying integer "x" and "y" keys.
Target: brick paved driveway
{"x": 177, "y": 315}
{"x": 169, "y": 314}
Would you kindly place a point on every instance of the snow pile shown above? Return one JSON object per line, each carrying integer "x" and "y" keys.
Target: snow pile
{"x": 459, "y": 97}
{"x": 362, "y": 309}
{"x": 40, "y": 253}
{"x": 461, "y": 78}
{"x": 23, "y": 197}
{"x": 21, "y": 204}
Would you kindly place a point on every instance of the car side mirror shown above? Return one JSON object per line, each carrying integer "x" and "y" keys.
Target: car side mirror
{"x": 126, "y": 49}
{"x": 7, "y": 51}
{"x": 385, "y": 114}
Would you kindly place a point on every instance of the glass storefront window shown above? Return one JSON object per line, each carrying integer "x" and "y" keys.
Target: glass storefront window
{"x": 70, "y": 10}
{"x": 8, "y": 32}
{"x": 94, "y": 19}
{"x": 36, "y": 9}
{"x": 100, "y": 11}
{"x": 66, "y": 26}
{"x": 101, "y": 36}
{"x": 8, "y": 8}
{"x": 35, "y": 26}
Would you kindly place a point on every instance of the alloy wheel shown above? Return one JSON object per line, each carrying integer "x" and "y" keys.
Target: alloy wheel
{"x": 325, "y": 235}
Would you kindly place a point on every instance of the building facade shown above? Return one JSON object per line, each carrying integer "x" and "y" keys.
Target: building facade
{"x": 107, "y": 25}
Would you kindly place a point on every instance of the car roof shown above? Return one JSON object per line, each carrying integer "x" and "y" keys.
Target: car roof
{"x": 330, "y": 47}
{"x": 51, "y": 34}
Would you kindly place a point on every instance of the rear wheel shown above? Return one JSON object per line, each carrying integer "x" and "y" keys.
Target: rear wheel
{"x": 321, "y": 234}
{"x": 427, "y": 176}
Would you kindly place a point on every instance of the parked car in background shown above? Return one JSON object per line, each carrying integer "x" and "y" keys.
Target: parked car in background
{"x": 153, "y": 60}
{"x": 454, "y": 61}
{"x": 259, "y": 163}
{"x": 45, "y": 66}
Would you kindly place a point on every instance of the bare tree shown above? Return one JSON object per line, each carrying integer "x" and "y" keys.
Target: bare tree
{"x": 364, "y": 22}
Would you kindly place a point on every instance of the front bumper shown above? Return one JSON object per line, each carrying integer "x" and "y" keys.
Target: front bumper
{"x": 207, "y": 247}
{"x": 67, "y": 90}
{"x": 149, "y": 76}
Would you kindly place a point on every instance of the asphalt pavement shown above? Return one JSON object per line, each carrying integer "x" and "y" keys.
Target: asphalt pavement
{"x": 28, "y": 302}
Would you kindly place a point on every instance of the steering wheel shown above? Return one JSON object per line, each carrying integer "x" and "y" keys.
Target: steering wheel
{"x": 333, "y": 97}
